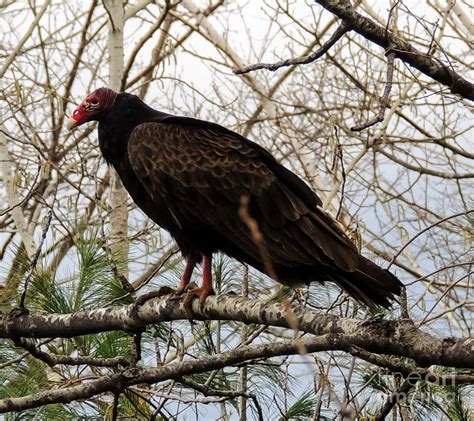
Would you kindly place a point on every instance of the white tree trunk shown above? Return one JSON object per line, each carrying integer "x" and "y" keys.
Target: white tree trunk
{"x": 12, "y": 198}
{"x": 118, "y": 194}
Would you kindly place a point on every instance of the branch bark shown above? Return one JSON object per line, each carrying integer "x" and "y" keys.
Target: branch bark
{"x": 21, "y": 223}
{"x": 376, "y": 33}
{"x": 394, "y": 337}
{"x": 118, "y": 194}
{"x": 136, "y": 375}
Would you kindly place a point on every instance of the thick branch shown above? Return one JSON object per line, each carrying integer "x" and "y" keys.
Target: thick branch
{"x": 394, "y": 337}
{"x": 136, "y": 375}
{"x": 376, "y": 33}
{"x": 117, "y": 383}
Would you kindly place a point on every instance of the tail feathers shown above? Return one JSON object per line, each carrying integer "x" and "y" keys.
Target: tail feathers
{"x": 369, "y": 284}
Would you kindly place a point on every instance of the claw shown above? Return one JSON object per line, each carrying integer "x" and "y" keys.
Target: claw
{"x": 192, "y": 292}
{"x": 190, "y": 289}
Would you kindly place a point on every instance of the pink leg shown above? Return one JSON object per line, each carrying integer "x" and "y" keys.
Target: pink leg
{"x": 188, "y": 271}
{"x": 206, "y": 289}
{"x": 207, "y": 276}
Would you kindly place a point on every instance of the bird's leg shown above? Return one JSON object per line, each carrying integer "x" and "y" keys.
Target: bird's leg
{"x": 191, "y": 262}
{"x": 164, "y": 290}
{"x": 206, "y": 288}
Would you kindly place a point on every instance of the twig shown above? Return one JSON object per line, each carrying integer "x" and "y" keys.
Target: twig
{"x": 34, "y": 262}
{"x": 162, "y": 403}
{"x": 28, "y": 195}
{"x": 115, "y": 406}
{"x": 338, "y": 154}
{"x": 53, "y": 360}
{"x": 465, "y": 213}
{"x": 404, "y": 304}
{"x": 384, "y": 100}
{"x": 137, "y": 347}
{"x": 182, "y": 399}
{"x": 243, "y": 375}
{"x": 445, "y": 292}
{"x": 394, "y": 398}
{"x": 230, "y": 394}
{"x": 338, "y": 33}
{"x": 26, "y": 37}
{"x": 126, "y": 285}
{"x": 149, "y": 275}
{"x": 377, "y": 34}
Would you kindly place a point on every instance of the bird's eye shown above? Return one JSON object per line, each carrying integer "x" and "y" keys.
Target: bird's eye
{"x": 94, "y": 101}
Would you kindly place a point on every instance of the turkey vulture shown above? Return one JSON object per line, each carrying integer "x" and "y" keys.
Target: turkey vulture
{"x": 192, "y": 176}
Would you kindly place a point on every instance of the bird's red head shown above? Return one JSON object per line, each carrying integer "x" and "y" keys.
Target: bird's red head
{"x": 96, "y": 105}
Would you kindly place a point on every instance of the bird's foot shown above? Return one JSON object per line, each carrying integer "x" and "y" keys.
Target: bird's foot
{"x": 192, "y": 291}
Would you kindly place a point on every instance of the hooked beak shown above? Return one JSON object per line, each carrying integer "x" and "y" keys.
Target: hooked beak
{"x": 72, "y": 124}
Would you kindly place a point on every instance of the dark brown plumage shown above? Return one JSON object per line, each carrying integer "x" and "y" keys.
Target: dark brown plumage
{"x": 190, "y": 175}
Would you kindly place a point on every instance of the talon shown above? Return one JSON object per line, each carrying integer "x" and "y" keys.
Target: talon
{"x": 188, "y": 287}
{"x": 195, "y": 292}
{"x": 191, "y": 289}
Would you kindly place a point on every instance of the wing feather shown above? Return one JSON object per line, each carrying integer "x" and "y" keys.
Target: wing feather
{"x": 202, "y": 170}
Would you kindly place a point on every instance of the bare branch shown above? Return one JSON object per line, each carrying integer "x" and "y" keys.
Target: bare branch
{"x": 421, "y": 232}
{"x": 135, "y": 375}
{"x": 376, "y": 33}
{"x": 336, "y": 36}
{"x": 27, "y": 196}
{"x": 53, "y": 360}
{"x": 36, "y": 256}
{"x": 384, "y": 100}
{"x": 394, "y": 398}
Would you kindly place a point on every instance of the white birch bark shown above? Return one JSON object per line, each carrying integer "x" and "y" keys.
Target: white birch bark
{"x": 118, "y": 195}
{"x": 19, "y": 219}
{"x": 12, "y": 198}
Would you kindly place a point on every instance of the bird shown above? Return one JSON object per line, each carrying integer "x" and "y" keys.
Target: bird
{"x": 214, "y": 190}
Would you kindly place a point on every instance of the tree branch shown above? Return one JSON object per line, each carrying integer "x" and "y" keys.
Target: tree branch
{"x": 136, "y": 375}
{"x": 394, "y": 337}
{"x": 116, "y": 383}
{"x": 53, "y": 360}
{"x": 384, "y": 100}
{"x": 376, "y": 33}
{"x": 336, "y": 36}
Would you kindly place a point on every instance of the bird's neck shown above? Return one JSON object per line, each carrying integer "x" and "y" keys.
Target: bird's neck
{"x": 115, "y": 128}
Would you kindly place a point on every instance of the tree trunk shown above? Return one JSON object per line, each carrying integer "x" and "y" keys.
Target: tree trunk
{"x": 118, "y": 195}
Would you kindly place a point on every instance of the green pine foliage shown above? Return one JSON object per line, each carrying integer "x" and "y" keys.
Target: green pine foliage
{"x": 90, "y": 281}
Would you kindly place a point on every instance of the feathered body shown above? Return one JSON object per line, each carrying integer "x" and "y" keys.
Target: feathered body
{"x": 189, "y": 176}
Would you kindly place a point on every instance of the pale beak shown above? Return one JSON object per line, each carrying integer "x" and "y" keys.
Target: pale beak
{"x": 72, "y": 124}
